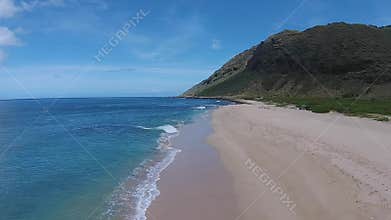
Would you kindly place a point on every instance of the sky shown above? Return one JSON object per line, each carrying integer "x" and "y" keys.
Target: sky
{"x": 102, "y": 48}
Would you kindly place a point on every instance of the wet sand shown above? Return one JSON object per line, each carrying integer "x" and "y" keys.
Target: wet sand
{"x": 196, "y": 186}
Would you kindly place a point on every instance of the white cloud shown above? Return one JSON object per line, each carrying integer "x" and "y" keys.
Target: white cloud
{"x": 8, "y": 38}
{"x": 29, "y": 6}
{"x": 216, "y": 44}
{"x": 8, "y": 8}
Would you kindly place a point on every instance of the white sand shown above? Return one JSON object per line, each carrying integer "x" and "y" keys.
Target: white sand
{"x": 329, "y": 165}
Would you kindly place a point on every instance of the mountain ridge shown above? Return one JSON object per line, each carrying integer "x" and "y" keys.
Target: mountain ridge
{"x": 334, "y": 60}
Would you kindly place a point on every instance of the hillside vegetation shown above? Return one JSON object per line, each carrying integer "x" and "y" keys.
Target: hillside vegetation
{"x": 336, "y": 61}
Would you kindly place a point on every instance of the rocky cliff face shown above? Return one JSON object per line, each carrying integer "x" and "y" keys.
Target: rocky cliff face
{"x": 338, "y": 59}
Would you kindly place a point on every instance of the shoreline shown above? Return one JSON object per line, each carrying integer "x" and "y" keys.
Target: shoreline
{"x": 224, "y": 98}
{"x": 196, "y": 185}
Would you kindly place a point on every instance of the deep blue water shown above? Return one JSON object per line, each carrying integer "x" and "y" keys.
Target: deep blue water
{"x": 85, "y": 158}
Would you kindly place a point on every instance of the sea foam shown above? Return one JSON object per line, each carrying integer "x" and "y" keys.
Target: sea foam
{"x": 132, "y": 202}
{"x": 147, "y": 191}
{"x": 169, "y": 129}
{"x": 200, "y": 107}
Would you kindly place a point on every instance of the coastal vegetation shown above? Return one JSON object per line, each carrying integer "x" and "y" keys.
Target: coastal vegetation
{"x": 378, "y": 109}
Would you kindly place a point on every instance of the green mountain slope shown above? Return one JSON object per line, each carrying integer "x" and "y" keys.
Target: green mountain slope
{"x": 337, "y": 60}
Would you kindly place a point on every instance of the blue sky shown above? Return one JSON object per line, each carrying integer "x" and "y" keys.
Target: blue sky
{"x": 47, "y": 47}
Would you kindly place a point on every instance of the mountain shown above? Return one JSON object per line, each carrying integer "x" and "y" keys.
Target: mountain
{"x": 337, "y": 60}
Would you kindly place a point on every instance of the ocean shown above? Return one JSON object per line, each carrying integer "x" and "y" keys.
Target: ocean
{"x": 95, "y": 158}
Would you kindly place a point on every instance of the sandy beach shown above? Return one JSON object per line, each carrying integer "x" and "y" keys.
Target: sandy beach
{"x": 196, "y": 185}
{"x": 281, "y": 163}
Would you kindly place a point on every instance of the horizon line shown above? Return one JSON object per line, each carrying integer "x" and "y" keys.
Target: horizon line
{"x": 91, "y": 97}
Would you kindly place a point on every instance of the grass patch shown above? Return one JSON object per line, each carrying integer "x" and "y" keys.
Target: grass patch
{"x": 363, "y": 107}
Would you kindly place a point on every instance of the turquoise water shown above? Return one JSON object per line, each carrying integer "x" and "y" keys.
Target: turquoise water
{"x": 93, "y": 158}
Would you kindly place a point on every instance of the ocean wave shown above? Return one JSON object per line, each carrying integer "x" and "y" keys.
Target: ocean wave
{"x": 148, "y": 190}
{"x": 200, "y": 107}
{"x": 145, "y": 128}
{"x": 166, "y": 128}
{"x": 130, "y": 200}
